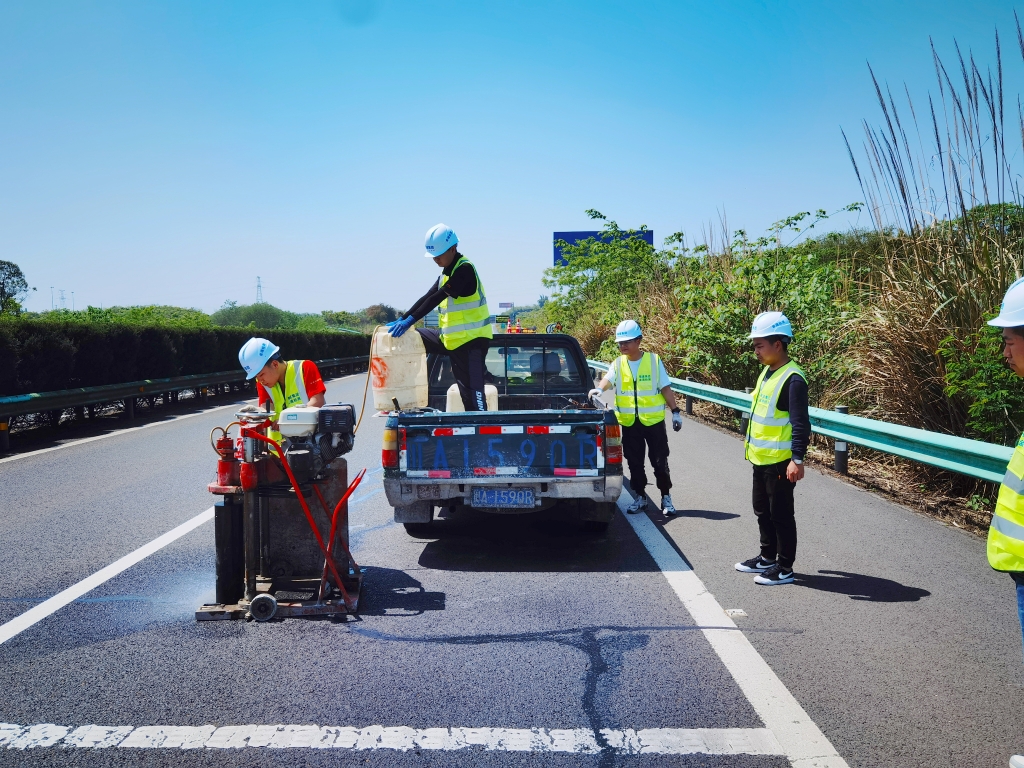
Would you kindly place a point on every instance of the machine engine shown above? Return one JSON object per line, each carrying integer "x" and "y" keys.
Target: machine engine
{"x": 314, "y": 437}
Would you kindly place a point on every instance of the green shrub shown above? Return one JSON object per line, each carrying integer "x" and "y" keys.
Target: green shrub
{"x": 976, "y": 373}
{"x": 48, "y": 355}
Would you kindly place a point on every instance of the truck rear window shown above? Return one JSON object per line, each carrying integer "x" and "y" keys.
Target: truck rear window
{"x": 521, "y": 369}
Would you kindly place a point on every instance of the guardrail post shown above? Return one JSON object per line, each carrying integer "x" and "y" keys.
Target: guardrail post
{"x": 842, "y": 459}
{"x": 689, "y": 400}
{"x": 129, "y": 408}
{"x": 744, "y": 415}
{"x": 5, "y": 436}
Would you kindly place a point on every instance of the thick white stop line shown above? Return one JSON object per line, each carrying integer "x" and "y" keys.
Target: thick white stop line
{"x": 802, "y": 741}
{"x": 651, "y": 741}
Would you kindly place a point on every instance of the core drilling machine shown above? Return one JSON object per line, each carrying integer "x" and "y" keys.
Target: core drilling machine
{"x": 281, "y": 526}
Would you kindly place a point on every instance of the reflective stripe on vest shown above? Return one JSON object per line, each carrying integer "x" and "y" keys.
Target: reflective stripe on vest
{"x": 640, "y": 397}
{"x": 1006, "y": 533}
{"x": 465, "y": 318}
{"x": 769, "y": 437}
{"x": 294, "y": 394}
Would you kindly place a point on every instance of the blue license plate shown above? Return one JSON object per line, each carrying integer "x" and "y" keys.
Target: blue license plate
{"x": 502, "y": 497}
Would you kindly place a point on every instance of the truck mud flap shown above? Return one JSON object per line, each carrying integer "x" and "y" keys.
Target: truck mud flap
{"x": 417, "y": 512}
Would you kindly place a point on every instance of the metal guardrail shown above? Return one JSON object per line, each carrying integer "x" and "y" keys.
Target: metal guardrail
{"x": 974, "y": 458}
{"x": 39, "y": 402}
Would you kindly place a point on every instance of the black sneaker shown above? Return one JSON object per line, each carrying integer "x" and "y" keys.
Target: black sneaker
{"x": 775, "y": 576}
{"x": 755, "y": 565}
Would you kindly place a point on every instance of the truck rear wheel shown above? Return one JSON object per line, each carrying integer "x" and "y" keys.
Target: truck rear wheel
{"x": 419, "y": 529}
{"x": 595, "y": 515}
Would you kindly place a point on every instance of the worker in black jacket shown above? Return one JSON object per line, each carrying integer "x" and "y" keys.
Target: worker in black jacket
{"x": 776, "y": 443}
{"x": 464, "y": 328}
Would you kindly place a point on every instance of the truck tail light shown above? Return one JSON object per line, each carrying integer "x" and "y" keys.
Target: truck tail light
{"x": 613, "y": 444}
{"x": 389, "y": 449}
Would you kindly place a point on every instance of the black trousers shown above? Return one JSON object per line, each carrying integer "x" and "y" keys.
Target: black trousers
{"x": 467, "y": 366}
{"x": 773, "y": 505}
{"x": 635, "y": 440}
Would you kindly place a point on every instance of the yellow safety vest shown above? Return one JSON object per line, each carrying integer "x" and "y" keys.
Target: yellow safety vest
{"x": 769, "y": 438}
{"x": 465, "y": 318}
{"x": 294, "y": 394}
{"x": 633, "y": 398}
{"x": 1006, "y": 533}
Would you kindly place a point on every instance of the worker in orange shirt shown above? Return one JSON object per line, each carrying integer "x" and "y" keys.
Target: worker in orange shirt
{"x": 280, "y": 384}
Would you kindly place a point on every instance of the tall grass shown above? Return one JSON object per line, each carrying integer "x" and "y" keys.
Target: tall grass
{"x": 941, "y": 188}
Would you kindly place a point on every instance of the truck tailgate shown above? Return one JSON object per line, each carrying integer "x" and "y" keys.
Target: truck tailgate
{"x": 516, "y": 444}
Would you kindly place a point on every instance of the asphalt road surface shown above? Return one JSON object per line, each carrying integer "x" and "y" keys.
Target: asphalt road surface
{"x": 498, "y": 640}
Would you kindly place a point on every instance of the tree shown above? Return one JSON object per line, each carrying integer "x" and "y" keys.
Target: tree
{"x": 380, "y": 314}
{"x": 13, "y": 288}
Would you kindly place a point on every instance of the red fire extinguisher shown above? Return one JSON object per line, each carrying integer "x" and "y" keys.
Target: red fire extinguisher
{"x": 227, "y": 464}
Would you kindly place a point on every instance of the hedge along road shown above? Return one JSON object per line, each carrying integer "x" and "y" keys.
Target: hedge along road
{"x": 496, "y": 637}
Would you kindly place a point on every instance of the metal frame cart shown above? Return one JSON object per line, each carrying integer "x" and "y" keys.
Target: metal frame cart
{"x": 273, "y": 559}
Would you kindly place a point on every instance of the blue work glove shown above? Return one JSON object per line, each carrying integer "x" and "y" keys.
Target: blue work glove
{"x": 401, "y": 326}
{"x": 392, "y": 324}
{"x": 677, "y": 421}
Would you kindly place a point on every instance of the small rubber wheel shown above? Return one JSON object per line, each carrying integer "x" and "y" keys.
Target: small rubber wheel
{"x": 263, "y": 607}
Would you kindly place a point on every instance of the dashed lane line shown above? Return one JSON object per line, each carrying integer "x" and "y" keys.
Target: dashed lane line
{"x": 649, "y": 741}
{"x": 801, "y": 739}
{"x": 37, "y": 613}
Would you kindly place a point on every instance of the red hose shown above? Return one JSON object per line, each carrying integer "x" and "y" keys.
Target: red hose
{"x": 246, "y": 432}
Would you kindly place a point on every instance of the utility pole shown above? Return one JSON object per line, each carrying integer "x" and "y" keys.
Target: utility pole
{"x": 51, "y": 298}
{"x": 259, "y": 290}
{"x": 63, "y": 301}
{"x": 72, "y": 301}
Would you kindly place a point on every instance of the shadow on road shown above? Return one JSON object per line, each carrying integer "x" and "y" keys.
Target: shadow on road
{"x": 390, "y": 592}
{"x": 860, "y": 587}
{"x": 706, "y": 514}
{"x": 546, "y": 541}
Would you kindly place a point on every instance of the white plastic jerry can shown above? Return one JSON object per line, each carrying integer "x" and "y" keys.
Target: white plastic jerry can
{"x": 455, "y": 404}
{"x": 398, "y": 370}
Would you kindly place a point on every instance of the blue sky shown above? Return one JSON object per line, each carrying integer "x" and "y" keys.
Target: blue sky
{"x": 171, "y": 152}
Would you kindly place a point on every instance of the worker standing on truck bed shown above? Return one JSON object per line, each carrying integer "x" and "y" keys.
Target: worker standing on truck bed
{"x": 1006, "y": 532}
{"x": 280, "y": 384}
{"x": 776, "y": 441}
{"x": 642, "y": 390}
{"x": 464, "y": 319}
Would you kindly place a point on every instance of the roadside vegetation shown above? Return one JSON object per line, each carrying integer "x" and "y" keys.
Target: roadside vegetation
{"x": 64, "y": 349}
{"x": 890, "y": 319}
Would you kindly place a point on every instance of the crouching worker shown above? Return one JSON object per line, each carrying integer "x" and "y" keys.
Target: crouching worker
{"x": 776, "y": 441}
{"x": 464, "y": 332}
{"x": 642, "y": 390}
{"x": 279, "y": 384}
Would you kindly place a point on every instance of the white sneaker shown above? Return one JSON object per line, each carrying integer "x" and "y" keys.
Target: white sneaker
{"x": 639, "y": 505}
{"x": 1017, "y": 761}
{"x": 667, "y": 506}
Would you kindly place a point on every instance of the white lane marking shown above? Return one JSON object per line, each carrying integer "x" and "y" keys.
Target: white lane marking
{"x": 650, "y": 741}
{"x": 802, "y": 741}
{"x": 37, "y": 613}
{"x": 129, "y": 430}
